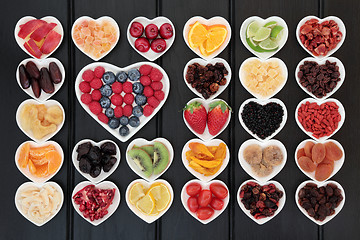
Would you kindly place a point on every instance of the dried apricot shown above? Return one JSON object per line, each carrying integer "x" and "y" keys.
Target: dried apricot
{"x": 328, "y": 161}
{"x": 308, "y": 147}
{"x": 306, "y": 164}
{"x": 333, "y": 152}
{"x": 24, "y": 155}
{"x": 323, "y": 171}
{"x": 300, "y": 153}
{"x": 318, "y": 152}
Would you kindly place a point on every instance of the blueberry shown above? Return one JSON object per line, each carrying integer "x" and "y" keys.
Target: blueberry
{"x": 137, "y": 111}
{"x": 124, "y": 120}
{"x": 134, "y": 121}
{"x": 134, "y": 75}
{"x": 114, "y": 123}
{"x": 108, "y": 77}
{"x": 124, "y": 131}
{"x": 106, "y": 91}
{"x": 109, "y": 112}
{"x": 121, "y": 77}
{"x": 138, "y": 88}
{"x": 140, "y": 99}
{"x": 105, "y": 102}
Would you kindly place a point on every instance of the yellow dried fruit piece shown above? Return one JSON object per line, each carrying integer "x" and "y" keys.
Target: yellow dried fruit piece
{"x": 200, "y": 149}
{"x": 205, "y": 163}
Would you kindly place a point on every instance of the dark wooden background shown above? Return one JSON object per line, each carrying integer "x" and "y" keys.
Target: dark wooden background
{"x": 168, "y": 123}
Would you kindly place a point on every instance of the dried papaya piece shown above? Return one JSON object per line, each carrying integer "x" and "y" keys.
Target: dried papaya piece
{"x": 200, "y": 149}
{"x": 220, "y": 152}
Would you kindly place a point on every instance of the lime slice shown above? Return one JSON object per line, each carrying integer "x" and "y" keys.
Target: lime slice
{"x": 256, "y": 48}
{"x": 270, "y": 24}
{"x": 275, "y": 31}
{"x": 268, "y": 44}
{"x": 253, "y": 42}
{"x": 252, "y": 28}
{"x": 262, "y": 34}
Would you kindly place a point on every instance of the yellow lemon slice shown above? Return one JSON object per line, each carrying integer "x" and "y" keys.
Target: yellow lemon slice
{"x": 161, "y": 195}
{"x": 137, "y": 191}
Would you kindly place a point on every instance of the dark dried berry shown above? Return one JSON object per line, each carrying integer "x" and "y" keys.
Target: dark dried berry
{"x": 95, "y": 171}
{"x": 109, "y": 164}
{"x": 94, "y": 155}
{"x": 108, "y": 148}
{"x": 83, "y": 149}
{"x": 84, "y": 165}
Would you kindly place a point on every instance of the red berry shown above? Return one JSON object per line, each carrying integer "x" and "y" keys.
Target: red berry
{"x": 136, "y": 29}
{"x": 148, "y": 110}
{"x": 118, "y": 111}
{"x": 95, "y": 107}
{"x": 156, "y": 85}
{"x": 116, "y": 87}
{"x": 128, "y": 98}
{"x": 145, "y": 80}
{"x": 160, "y": 95}
{"x": 166, "y": 31}
{"x": 127, "y": 87}
{"x": 127, "y": 110}
{"x": 88, "y": 75}
{"x": 86, "y": 98}
{"x": 99, "y": 72}
{"x": 152, "y": 101}
{"x": 84, "y": 87}
{"x": 158, "y": 45}
{"x": 145, "y": 69}
{"x": 148, "y": 91}
{"x": 96, "y": 95}
{"x": 151, "y": 31}
{"x": 156, "y": 75}
{"x": 96, "y": 83}
{"x": 117, "y": 99}
{"x": 142, "y": 44}
{"x": 103, "y": 118}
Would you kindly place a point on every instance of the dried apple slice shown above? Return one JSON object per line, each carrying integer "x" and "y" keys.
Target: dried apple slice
{"x": 29, "y": 27}
{"x": 42, "y": 31}
{"x": 50, "y": 43}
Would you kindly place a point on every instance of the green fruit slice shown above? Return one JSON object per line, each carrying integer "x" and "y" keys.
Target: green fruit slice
{"x": 262, "y": 34}
{"x": 161, "y": 157}
{"x": 252, "y": 28}
{"x": 255, "y": 48}
{"x": 268, "y": 44}
{"x": 149, "y": 149}
{"x": 276, "y": 31}
{"x": 270, "y": 24}
{"x": 143, "y": 160}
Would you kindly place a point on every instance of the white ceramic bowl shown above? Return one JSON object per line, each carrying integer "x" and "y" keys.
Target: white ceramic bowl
{"x": 279, "y": 20}
{"x": 276, "y": 90}
{"x": 185, "y": 197}
{"x": 103, "y": 175}
{"x": 213, "y": 142}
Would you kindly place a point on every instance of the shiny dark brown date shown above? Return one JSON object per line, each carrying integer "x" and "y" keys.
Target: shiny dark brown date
{"x": 45, "y": 81}
{"x": 35, "y": 86}
{"x": 32, "y": 70}
{"x": 55, "y": 73}
{"x": 24, "y": 79}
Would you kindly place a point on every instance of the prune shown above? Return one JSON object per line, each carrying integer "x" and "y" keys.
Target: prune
{"x": 83, "y": 149}
{"x": 108, "y": 148}
{"x": 35, "y": 86}
{"x": 306, "y": 164}
{"x": 109, "y": 164}
{"x": 333, "y": 152}
{"x": 32, "y": 70}
{"x": 24, "y": 78}
{"x": 94, "y": 155}
{"x": 300, "y": 153}
{"x": 323, "y": 171}
{"x": 273, "y": 156}
{"x": 84, "y": 165}
{"x": 45, "y": 81}
{"x": 318, "y": 153}
{"x": 308, "y": 147}
{"x": 55, "y": 73}
{"x": 95, "y": 171}
{"x": 253, "y": 154}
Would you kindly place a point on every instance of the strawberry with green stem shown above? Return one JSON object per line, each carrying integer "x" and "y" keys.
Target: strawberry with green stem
{"x": 195, "y": 114}
{"x": 217, "y": 116}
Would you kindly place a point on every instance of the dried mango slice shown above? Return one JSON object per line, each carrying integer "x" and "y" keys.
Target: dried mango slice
{"x": 205, "y": 163}
{"x": 220, "y": 152}
{"x": 200, "y": 149}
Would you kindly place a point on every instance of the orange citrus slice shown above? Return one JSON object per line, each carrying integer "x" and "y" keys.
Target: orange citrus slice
{"x": 24, "y": 155}
{"x": 197, "y": 35}
{"x": 54, "y": 161}
{"x": 217, "y": 36}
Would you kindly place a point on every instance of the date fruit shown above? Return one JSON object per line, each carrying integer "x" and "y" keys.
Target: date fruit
{"x": 35, "y": 86}
{"x": 45, "y": 81}
{"x": 32, "y": 70}
{"x": 55, "y": 73}
{"x": 24, "y": 79}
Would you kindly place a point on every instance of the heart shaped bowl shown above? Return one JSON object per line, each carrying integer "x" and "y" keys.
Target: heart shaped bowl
{"x": 185, "y": 197}
{"x": 103, "y": 175}
{"x": 337, "y": 164}
{"x": 148, "y": 218}
{"x": 280, "y": 205}
{"x": 337, "y": 209}
{"x": 26, "y": 171}
{"x": 264, "y": 55}
{"x": 204, "y": 63}
{"x": 206, "y": 136}
{"x": 50, "y": 19}
{"x": 322, "y": 62}
{"x": 101, "y": 19}
{"x": 341, "y": 28}
{"x": 158, "y": 21}
{"x": 242, "y": 77}
{"x": 40, "y": 64}
{"x": 247, "y": 167}
{"x": 319, "y": 102}
{"x": 115, "y": 69}
{"x": 141, "y": 142}
{"x": 103, "y": 185}
{"x": 39, "y": 185}
{"x": 263, "y": 102}
{"x": 47, "y": 103}
{"x": 212, "y": 21}
{"x": 200, "y": 176}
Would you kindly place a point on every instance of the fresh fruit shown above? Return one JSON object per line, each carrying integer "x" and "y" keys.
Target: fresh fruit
{"x": 262, "y": 34}
{"x": 196, "y": 116}
{"x": 217, "y": 204}
{"x": 124, "y": 131}
{"x": 166, "y": 31}
{"x": 204, "y": 213}
{"x": 269, "y": 44}
{"x": 161, "y": 157}
{"x": 136, "y": 29}
{"x": 197, "y": 35}
{"x": 151, "y": 31}
{"x": 137, "y": 112}
{"x": 134, "y": 74}
{"x": 142, "y": 44}
{"x": 148, "y": 110}
{"x": 204, "y": 197}
{"x": 158, "y": 45}
{"x": 136, "y": 192}
{"x": 140, "y": 99}
{"x": 142, "y": 160}
{"x": 108, "y": 77}
{"x": 217, "y": 116}
{"x": 193, "y": 204}
{"x": 252, "y": 28}
{"x": 217, "y": 36}
{"x": 121, "y": 76}
{"x": 24, "y": 155}
{"x": 193, "y": 189}
{"x": 138, "y": 88}
{"x": 218, "y": 190}
{"x": 161, "y": 195}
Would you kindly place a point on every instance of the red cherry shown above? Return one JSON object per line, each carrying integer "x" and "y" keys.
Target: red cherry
{"x": 166, "y": 31}
{"x": 136, "y": 29}
{"x": 158, "y": 45}
{"x": 142, "y": 44}
{"x": 151, "y": 31}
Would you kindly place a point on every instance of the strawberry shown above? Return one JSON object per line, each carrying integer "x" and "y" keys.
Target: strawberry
{"x": 217, "y": 117}
{"x": 195, "y": 114}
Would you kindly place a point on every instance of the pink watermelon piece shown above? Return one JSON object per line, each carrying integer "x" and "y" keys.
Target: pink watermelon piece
{"x": 42, "y": 31}
{"x": 50, "y": 43}
{"x": 33, "y": 50}
{"x": 29, "y": 27}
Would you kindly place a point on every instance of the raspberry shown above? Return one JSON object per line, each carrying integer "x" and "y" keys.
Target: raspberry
{"x": 96, "y": 83}
{"x": 152, "y": 101}
{"x": 116, "y": 87}
{"x": 96, "y": 95}
{"x": 95, "y": 107}
{"x": 86, "y": 98}
{"x": 84, "y": 87}
{"x": 127, "y": 110}
{"x": 99, "y": 71}
{"x": 118, "y": 111}
{"x": 148, "y": 110}
{"x": 88, "y": 75}
{"x": 116, "y": 99}
{"x": 128, "y": 98}
{"x": 148, "y": 91}
{"x": 145, "y": 80}
{"x": 156, "y": 75}
{"x": 103, "y": 118}
{"x": 156, "y": 85}
{"x": 160, "y": 95}
{"x": 127, "y": 87}
{"x": 145, "y": 69}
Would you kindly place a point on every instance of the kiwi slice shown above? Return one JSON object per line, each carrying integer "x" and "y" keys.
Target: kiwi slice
{"x": 161, "y": 157}
{"x": 149, "y": 149}
{"x": 143, "y": 160}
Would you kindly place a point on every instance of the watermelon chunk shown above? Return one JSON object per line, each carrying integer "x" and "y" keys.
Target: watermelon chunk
{"x": 32, "y": 48}
{"x": 42, "y": 31}
{"x": 29, "y": 27}
{"x": 51, "y": 42}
